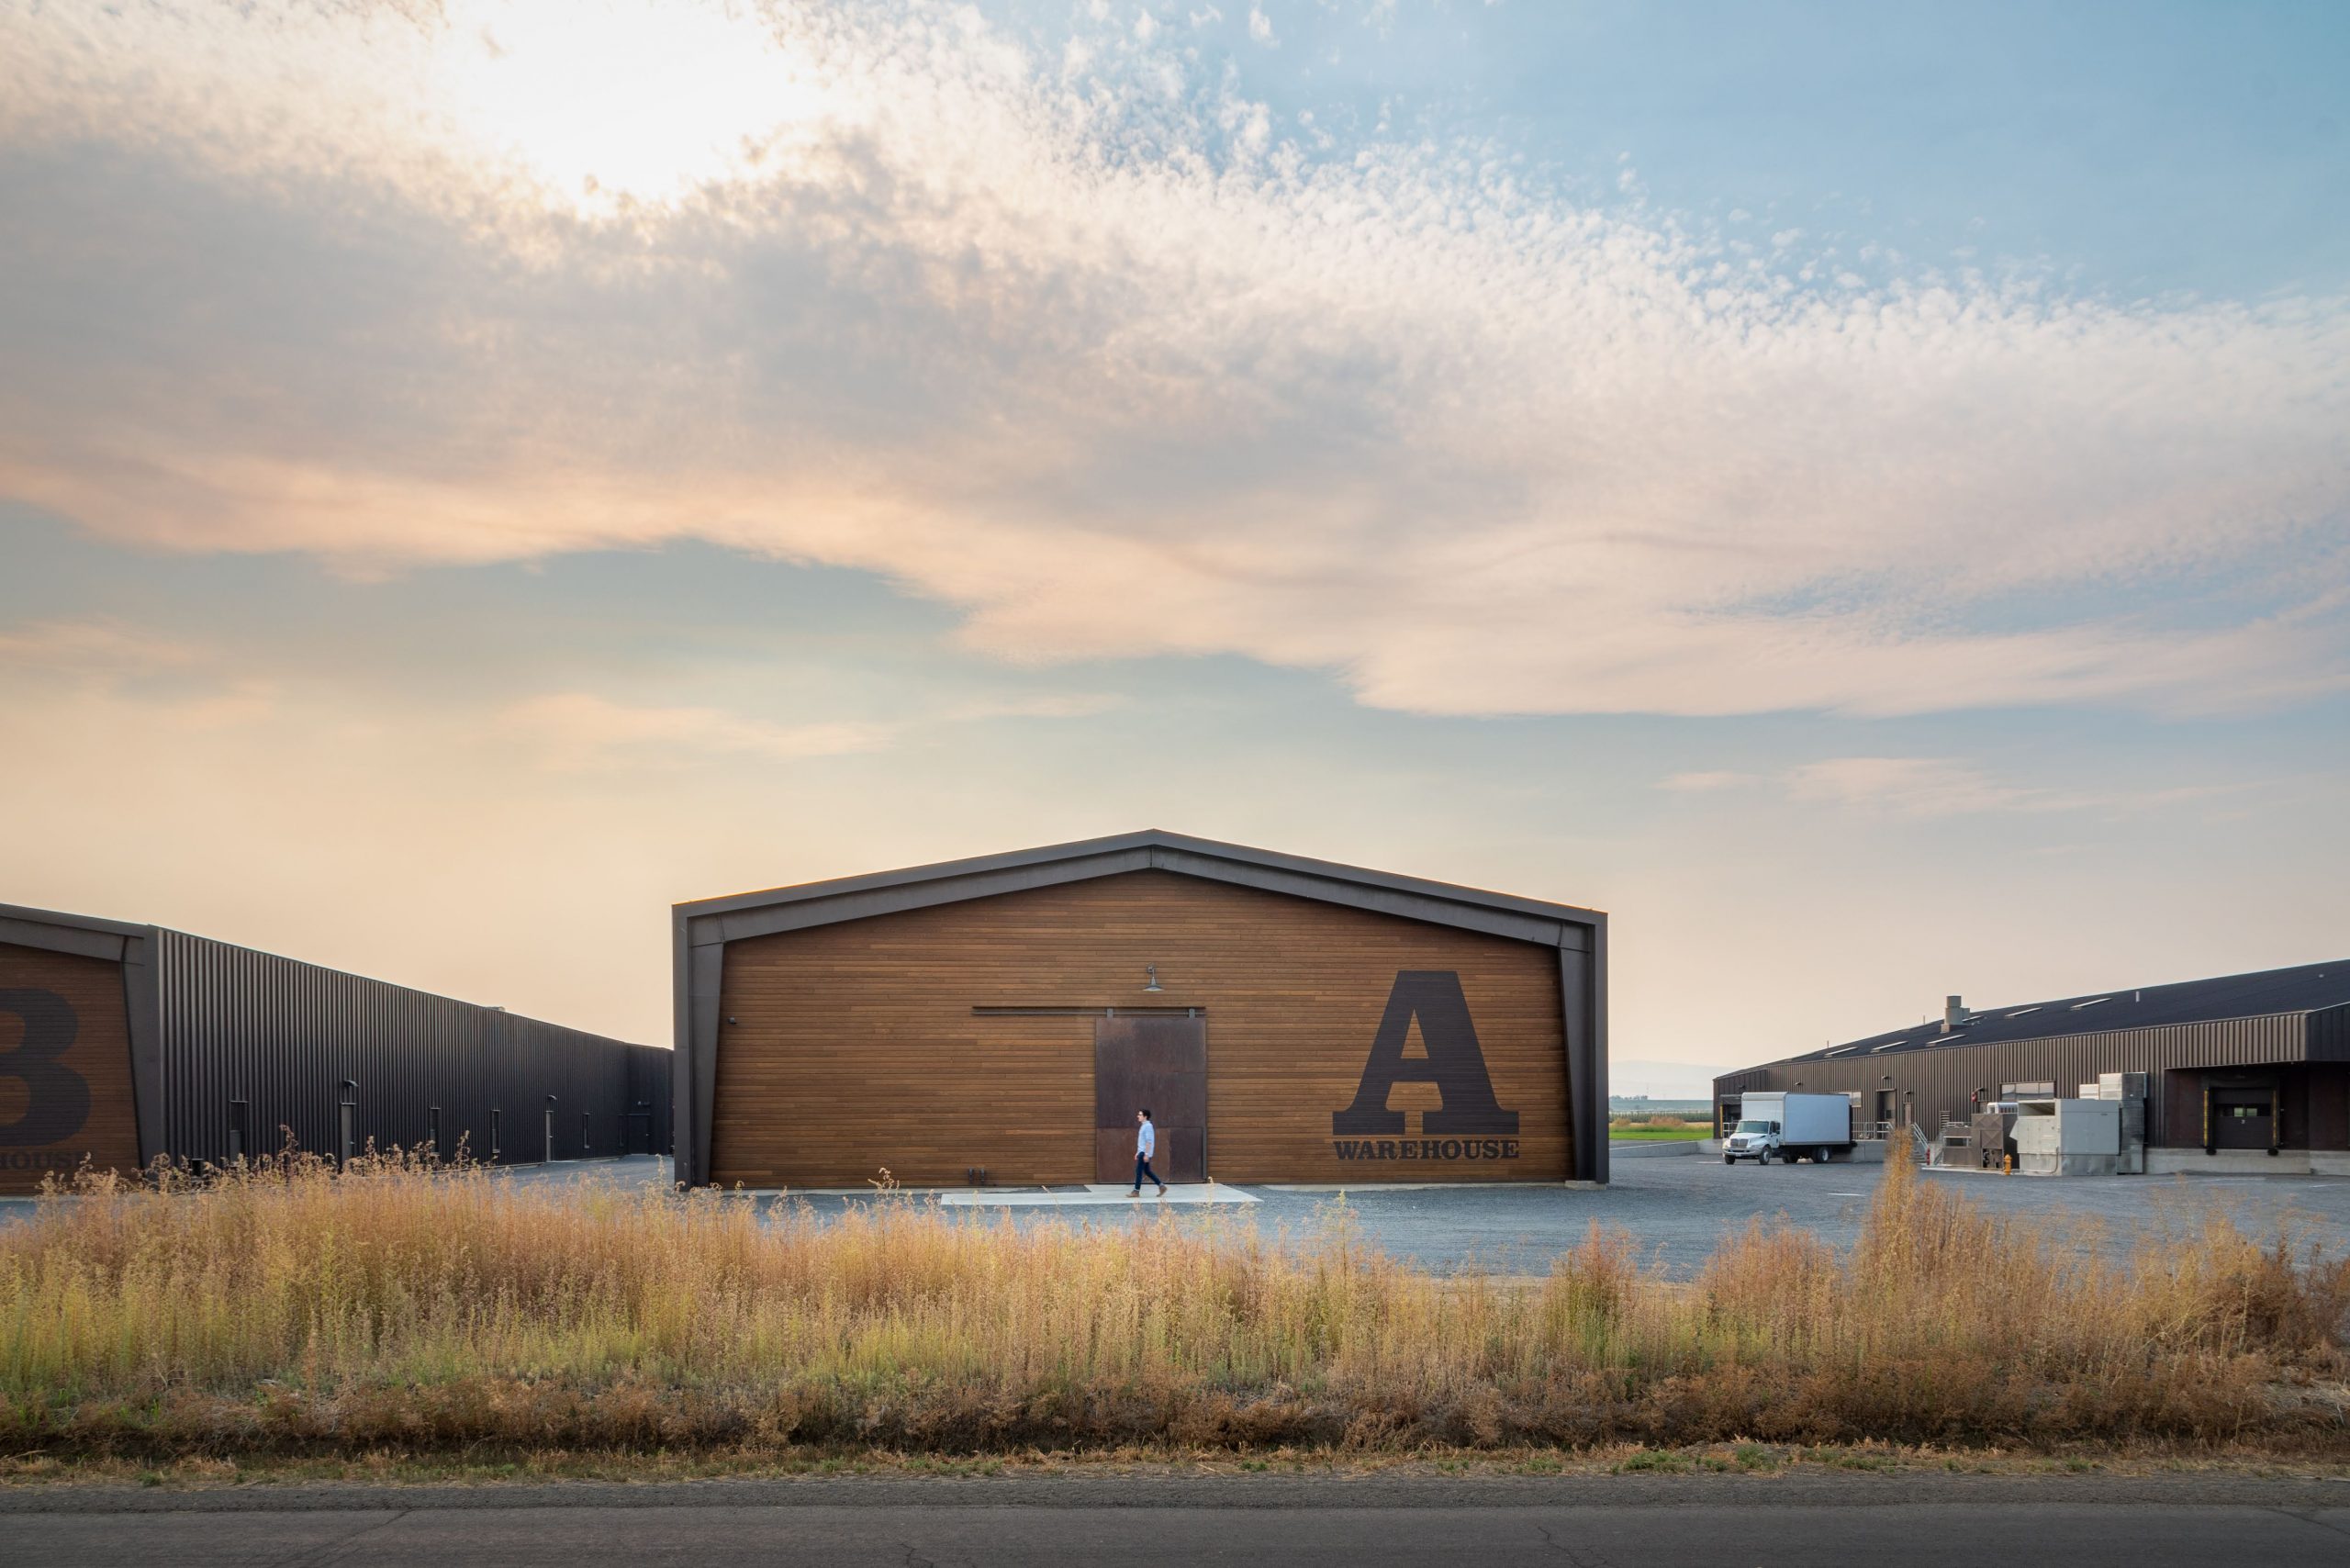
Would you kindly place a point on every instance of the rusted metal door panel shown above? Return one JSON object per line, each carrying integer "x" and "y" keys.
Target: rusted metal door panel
{"x": 1155, "y": 1063}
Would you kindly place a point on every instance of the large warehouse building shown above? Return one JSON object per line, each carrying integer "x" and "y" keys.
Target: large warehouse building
{"x": 2245, "y": 1071}
{"x": 1001, "y": 1020}
{"x": 120, "y": 1044}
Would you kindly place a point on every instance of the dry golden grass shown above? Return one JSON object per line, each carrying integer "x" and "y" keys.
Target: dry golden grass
{"x": 438, "y": 1309}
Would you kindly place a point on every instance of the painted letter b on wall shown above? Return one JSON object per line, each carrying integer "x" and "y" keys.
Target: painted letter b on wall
{"x": 1455, "y": 1063}
{"x": 57, "y": 1098}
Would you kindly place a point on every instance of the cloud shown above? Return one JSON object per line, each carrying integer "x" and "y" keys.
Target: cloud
{"x": 1908, "y": 786}
{"x": 101, "y": 648}
{"x": 1938, "y": 786}
{"x": 580, "y": 729}
{"x": 576, "y": 731}
{"x": 1929, "y": 787}
{"x": 1705, "y": 783}
{"x": 1077, "y": 345}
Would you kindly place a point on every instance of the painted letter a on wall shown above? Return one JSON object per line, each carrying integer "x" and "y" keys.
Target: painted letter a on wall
{"x": 1455, "y": 1063}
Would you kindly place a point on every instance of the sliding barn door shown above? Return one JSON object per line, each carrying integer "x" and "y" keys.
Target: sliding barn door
{"x": 1161, "y": 1064}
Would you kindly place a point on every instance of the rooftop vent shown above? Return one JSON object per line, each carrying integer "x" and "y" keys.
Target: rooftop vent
{"x": 1954, "y": 1014}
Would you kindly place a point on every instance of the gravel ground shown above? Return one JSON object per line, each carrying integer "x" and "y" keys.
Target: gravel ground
{"x": 1677, "y": 1210}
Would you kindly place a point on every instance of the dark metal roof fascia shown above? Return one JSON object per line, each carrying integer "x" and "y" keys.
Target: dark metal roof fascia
{"x": 55, "y": 932}
{"x": 855, "y": 898}
{"x": 732, "y": 918}
{"x": 1924, "y": 1046}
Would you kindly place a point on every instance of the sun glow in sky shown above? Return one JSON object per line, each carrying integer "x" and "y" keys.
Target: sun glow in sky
{"x": 615, "y": 101}
{"x": 1861, "y": 493}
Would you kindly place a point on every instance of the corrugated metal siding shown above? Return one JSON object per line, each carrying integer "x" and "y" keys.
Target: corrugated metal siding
{"x": 283, "y": 1036}
{"x": 2330, "y": 1035}
{"x": 1938, "y": 1084}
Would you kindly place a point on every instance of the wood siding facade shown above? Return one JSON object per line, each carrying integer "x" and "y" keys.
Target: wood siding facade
{"x": 935, "y": 1040}
{"x": 64, "y": 1067}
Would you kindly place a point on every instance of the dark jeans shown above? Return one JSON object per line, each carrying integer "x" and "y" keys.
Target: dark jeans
{"x": 1144, "y": 1172}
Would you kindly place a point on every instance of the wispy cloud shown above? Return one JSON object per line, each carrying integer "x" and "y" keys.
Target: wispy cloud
{"x": 1911, "y": 787}
{"x": 1705, "y": 783}
{"x": 580, "y": 729}
{"x": 104, "y": 648}
{"x": 1939, "y": 787}
{"x": 577, "y": 730}
{"x": 1079, "y": 344}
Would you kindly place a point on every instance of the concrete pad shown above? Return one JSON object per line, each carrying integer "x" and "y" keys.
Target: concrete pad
{"x": 1094, "y": 1195}
{"x": 2247, "y": 1162}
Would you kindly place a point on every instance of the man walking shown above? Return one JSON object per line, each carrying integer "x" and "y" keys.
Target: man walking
{"x": 1146, "y": 1145}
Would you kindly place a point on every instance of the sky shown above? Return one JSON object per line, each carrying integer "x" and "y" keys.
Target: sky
{"x": 1860, "y": 493}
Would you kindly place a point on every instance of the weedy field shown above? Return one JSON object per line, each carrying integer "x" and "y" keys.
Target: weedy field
{"x": 1656, "y": 1130}
{"x": 419, "y": 1309}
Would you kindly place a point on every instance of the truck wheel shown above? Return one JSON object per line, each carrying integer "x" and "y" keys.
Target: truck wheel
{"x": 1729, "y": 1160}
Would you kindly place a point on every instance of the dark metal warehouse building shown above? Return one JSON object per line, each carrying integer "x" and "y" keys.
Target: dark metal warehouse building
{"x": 2241, "y": 1070}
{"x": 121, "y": 1043}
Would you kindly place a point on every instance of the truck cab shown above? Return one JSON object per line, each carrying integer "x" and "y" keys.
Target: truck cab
{"x": 1753, "y": 1138}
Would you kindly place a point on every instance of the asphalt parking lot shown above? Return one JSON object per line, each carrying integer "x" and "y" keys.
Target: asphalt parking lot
{"x": 1677, "y": 1209}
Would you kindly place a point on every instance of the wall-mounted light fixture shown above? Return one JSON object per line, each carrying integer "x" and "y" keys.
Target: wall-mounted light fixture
{"x": 1150, "y": 974}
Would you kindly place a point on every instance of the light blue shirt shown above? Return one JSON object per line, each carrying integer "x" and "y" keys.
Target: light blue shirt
{"x": 1146, "y": 1140}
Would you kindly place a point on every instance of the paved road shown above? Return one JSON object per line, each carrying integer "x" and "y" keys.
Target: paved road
{"x": 1346, "y": 1523}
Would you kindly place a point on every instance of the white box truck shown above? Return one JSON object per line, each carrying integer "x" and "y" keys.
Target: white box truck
{"x": 1792, "y": 1126}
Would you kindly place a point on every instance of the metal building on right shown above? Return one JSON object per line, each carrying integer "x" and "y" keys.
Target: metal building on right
{"x": 2243, "y": 1072}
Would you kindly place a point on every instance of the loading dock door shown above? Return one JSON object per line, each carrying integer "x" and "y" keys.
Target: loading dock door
{"x": 1162, "y": 1064}
{"x": 2243, "y": 1118}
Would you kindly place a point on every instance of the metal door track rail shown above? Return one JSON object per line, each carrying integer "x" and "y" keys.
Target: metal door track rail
{"x": 1088, "y": 1011}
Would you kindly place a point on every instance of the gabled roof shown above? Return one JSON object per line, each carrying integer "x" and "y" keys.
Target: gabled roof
{"x": 730, "y": 919}
{"x": 2308, "y": 988}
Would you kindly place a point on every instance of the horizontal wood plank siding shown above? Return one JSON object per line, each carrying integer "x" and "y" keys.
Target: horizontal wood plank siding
{"x": 854, "y": 1047}
{"x": 91, "y": 992}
